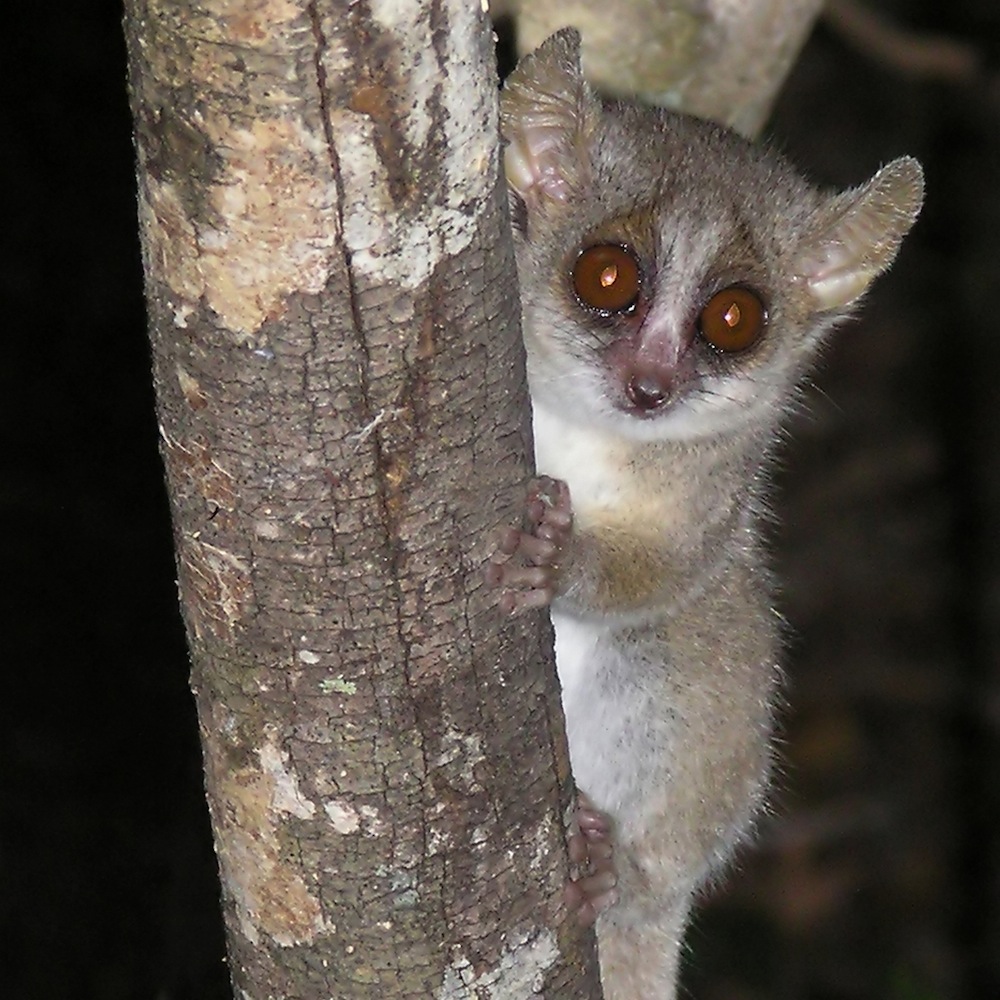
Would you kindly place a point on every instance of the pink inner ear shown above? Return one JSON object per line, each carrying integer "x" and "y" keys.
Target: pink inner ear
{"x": 532, "y": 162}
{"x": 861, "y": 234}
{"x": 839, "y": 270}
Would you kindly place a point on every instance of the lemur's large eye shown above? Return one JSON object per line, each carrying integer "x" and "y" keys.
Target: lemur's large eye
{"x": 733, "y": 319}
{"x": 606, "y": 277}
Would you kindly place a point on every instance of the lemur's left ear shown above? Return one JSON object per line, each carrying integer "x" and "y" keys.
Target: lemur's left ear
{"x": 855, "y": 235}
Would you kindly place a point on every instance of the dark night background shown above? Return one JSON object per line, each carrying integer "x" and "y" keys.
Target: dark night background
{"x": 879, "y": 877}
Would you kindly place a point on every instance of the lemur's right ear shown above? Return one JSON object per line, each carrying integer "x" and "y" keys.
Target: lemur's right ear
{"x": 547, "y": 110}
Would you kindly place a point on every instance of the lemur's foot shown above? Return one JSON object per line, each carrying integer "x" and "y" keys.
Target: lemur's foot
{"x": 526, "y": 564}
{"x": 592, "y": 851}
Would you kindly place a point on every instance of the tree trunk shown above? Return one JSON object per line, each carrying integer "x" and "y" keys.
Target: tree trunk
{"x": 333, "y": 315}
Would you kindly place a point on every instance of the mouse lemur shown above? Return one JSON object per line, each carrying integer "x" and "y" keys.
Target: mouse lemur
{"x": 676, "y": 283}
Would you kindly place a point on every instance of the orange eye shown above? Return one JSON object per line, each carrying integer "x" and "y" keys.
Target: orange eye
{"x": 732, "y": 319}
{"x": 606, "y": 277}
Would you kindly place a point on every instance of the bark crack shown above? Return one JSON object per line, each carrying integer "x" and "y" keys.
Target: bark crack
{"x": 382, "y": 463}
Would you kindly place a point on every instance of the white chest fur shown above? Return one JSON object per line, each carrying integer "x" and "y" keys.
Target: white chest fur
{"x": 591, "y": 464}
{"x": 599, "y": 660}
{"x": 581, "y": 456}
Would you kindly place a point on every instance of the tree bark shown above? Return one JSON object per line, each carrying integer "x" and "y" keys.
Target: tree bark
{"x": 333, "y": 316}
{"x": 716, "y": 59}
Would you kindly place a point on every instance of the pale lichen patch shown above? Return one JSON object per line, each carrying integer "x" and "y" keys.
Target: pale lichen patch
{"x": 270, "y": 896}
{"x": 277, "y": 221}
{"x": 460, "y": 753}
{"x": 346, "y": 818}
{"x": 269, "y": 229}
{"x": 372, "y": 823}
{"x": 239, "y": 209}
{"x": 541, "y": 842}
{"x": 464, "y": 131}
{"x": 183, "y": 311}
{"x": 254, "y": 21}
{"x": 343, "y": 816}
{"x": 519, "y": 973}
{"x": 394, "y": 238}
{"x": 337, "y": 685}
{"x": 439, "y": 841}
{"x": 286, "y": 795}
{"x": 268, "y": 530}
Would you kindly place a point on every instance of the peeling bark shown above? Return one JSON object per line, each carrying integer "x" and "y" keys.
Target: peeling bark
{"x": 333, "y": 316}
